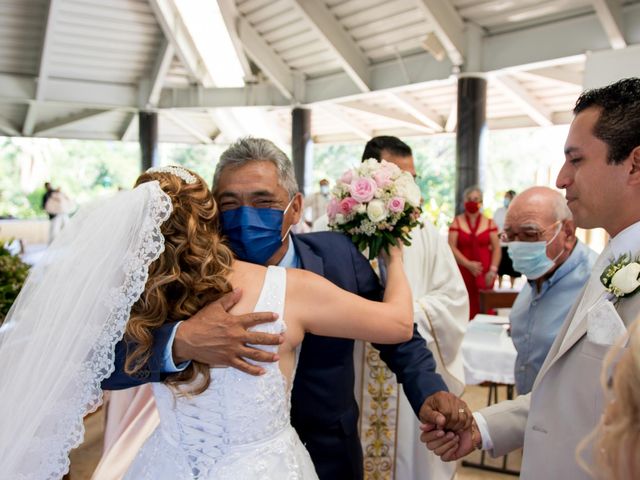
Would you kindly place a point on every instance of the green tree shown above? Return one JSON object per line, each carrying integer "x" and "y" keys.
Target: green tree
{"x": 435, "y": 165}
{"x": 201, "y": 159}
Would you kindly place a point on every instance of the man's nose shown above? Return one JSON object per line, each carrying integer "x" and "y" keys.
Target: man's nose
{"x": 563, "y": 179}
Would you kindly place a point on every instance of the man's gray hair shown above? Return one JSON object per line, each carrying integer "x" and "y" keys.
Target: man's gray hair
{"x": 560, "y": 208}
{"x": 472, "y": 188}
{"x": 251, "y": 149}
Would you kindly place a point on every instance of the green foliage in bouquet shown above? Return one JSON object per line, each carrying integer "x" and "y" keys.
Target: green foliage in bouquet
{"x": 13, "y": 273}
{"x": 382, "y": 238}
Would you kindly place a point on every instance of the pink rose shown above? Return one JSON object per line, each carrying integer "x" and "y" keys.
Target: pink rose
{"x": 333, "y": 208}
{"x": 346, "y": 205}
{"x": 382, "y": 177}
{"x": 390, "y": 167}
{"x": 396, "y": 204}
{"x": 363, "y": 189}
{"x": 347, "y": 177}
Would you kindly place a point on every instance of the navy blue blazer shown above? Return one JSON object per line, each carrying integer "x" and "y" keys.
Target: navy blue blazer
{"x": 323, "y": 388}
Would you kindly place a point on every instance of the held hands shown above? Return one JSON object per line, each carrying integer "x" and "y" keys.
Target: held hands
{"x": 215, "y": 337}
{"x": 444, "y": 410}
{"x": 451, "y": 445}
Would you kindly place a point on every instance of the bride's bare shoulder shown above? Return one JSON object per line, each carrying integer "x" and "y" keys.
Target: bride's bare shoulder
{"x": 250, "y": 278}
{"x": 243, "y": 273}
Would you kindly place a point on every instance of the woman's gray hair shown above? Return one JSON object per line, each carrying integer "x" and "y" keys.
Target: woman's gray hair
{"x": 472, "y": 188}
{"x": 251, "y": 149}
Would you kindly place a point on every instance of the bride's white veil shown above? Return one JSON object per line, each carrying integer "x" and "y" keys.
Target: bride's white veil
{"x": 58, "y": 340}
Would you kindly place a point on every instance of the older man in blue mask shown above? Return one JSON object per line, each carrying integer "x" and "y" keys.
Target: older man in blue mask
{"x": 540, "y": 236}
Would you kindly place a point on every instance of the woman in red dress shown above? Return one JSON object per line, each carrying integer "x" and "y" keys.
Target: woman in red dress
{"x": 475, "y": 244}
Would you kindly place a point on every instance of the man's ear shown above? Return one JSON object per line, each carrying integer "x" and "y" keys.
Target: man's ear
{"x": 296, "y": 208}
{"x": 569, "y": 228}
{"x": 634, "y": 173}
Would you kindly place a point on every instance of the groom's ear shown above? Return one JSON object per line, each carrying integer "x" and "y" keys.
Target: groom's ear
{"x": 634, "y": 174}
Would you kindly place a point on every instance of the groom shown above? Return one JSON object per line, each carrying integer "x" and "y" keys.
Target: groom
{"x": 601, "y": 178}
{"x": 254, "y": 173}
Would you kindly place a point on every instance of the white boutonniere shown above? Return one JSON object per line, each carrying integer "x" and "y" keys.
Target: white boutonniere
{"x": 621, "y": 277}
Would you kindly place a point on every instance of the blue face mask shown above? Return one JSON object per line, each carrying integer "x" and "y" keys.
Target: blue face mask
{"x": 530, "y": 258}
{"x": 254, "y": 233}
{"x": 506, "y": 202}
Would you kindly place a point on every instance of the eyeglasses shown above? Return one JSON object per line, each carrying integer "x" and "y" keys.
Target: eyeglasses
{"x": 527, "y": 234}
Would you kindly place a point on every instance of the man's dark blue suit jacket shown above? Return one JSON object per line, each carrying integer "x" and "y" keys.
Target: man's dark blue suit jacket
{"x": 324, "y": 410}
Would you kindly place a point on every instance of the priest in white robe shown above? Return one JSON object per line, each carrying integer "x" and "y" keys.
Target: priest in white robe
{"x": 389, "y": 429}
{"x": 388, "y": 426}
{"x": 441, "y": 311}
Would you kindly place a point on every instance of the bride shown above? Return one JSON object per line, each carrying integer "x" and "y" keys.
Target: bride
{"x": 124, "y": 267}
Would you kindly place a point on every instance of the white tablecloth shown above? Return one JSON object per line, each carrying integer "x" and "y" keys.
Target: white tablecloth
{"x": 488, "y": 352}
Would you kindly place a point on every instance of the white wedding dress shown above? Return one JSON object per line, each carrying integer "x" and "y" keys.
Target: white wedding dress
{"x": 238, "y": 429}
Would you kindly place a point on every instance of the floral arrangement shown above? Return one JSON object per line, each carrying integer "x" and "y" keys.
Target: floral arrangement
{"x": 13, "y": 273}
{"x": 376, "y": 204}
{"x": 621, "y": 276}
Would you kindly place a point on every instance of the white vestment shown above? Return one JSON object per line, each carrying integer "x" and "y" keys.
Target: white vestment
{"x": 389, "y": 428}
{"x": 441, "y": 310}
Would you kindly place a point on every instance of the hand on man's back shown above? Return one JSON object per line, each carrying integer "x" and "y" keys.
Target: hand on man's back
{"x": 219, "y": 339}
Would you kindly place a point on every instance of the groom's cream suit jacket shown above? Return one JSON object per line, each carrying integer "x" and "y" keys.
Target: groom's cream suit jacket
{"x": 567, "y": 400}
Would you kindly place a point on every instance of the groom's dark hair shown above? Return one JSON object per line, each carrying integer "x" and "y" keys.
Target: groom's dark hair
{"x": 374, "y": 147}
{"x": 619, "y": 123}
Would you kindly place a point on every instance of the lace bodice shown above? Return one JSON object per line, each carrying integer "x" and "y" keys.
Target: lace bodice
{"x": 237, "y": 409}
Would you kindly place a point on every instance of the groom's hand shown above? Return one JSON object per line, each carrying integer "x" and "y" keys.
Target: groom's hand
{"x": 216, "y": 338}
{"x": 450, "y": 446}
{"x": 446, "y": 411}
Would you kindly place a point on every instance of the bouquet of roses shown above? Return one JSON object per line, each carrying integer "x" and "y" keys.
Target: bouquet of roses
{"x": 376, "y": 204}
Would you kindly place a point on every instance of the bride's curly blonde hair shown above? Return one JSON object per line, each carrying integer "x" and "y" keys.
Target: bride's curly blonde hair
{"x": 192, "y": 271}
{"x": 615, "y": 440}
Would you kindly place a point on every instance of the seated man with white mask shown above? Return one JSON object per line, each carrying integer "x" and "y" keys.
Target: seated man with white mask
{"x": 540, "y": 234}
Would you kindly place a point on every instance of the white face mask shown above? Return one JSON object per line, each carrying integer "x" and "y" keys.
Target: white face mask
{"x": 324, "y": 189}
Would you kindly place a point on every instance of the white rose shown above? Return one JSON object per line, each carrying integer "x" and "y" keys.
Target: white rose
{"x": 413, "y": 195}
{"x": 625, "y": 280}
{"x": 400, "y": 186}
{"x": 404, "y": 180}
{"x": 406, "y": 187}
{"x": 360, "y": 208}
{"x": 376, "y": 211}
{"x": 340, "y": 219}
